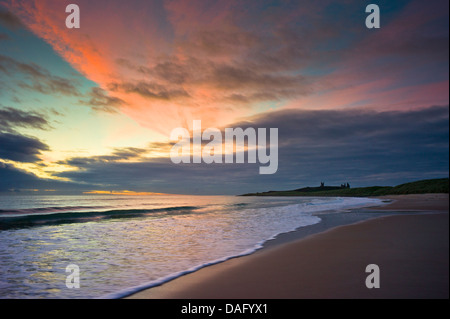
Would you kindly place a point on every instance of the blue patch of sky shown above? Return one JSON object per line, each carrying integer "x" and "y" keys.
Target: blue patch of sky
{"x": 23, "y": 46}
{"x": 350, "y": 17}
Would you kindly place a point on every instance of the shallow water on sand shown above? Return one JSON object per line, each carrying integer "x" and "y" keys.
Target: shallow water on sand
{"x": 124, "y": 243}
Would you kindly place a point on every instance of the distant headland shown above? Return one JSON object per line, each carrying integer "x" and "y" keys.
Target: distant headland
{"x": 420, "y": 187}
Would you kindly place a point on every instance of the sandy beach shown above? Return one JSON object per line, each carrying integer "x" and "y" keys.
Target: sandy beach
{"x": 411, "y": 250}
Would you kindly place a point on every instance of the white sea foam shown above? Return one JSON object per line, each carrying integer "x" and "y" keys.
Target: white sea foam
{"x": 118, "y": 257}
{"x": 302, "y": 213}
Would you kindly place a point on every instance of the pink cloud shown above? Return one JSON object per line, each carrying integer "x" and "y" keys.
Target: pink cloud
{"x": 174, "y": 61}
{"x": 387, "y": 69}
{"x": 377, "y": 95}
{"x": 137, "y": 34}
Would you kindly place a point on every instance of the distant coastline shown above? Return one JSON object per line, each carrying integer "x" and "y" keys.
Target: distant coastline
{"x": 430, "y": 186}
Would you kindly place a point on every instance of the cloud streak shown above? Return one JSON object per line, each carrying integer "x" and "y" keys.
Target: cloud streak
{"x": 361, "y": 147}
{"x": 21, "y": 148}
{"x": 11, "y": 118}
{"x": 221, "y": 58}
{"x": 39, "y": 79}
{"x": 16, "y": 180}
{"x": 99, "y": 100}
{"x": 351, "y": 104}
{"x": 17, "y": 147}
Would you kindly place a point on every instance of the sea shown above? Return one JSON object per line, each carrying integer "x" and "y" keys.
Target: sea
{"x": 122, "y": 244}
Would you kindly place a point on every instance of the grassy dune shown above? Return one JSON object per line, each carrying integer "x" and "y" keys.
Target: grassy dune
{"x": 420, "y": 187}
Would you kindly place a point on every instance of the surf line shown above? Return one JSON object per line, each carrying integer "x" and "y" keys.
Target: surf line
{"x": 190, "y": 149}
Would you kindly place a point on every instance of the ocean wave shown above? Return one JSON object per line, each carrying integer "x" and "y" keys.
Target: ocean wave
{"x": 130, "y": 246}
{"x": 66, "y": 215}
{"x": 45, "y": 210}
{"x": 306, "y": 210}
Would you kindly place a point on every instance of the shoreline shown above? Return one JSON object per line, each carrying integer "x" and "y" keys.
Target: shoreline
{"x": 295, "y": 248}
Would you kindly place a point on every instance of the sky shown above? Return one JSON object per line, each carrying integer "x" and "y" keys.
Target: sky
{"x": 92, "y": 109}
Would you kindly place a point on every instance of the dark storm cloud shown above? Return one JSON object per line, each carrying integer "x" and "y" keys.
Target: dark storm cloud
{"x": 17, "y": 147}
{"x": 118, "y": 154}
{"x": 11, "y": 118}
{"x": 164, "y": 176}
{"x": 14, "y": 146}
{"x": 364, "y": 147}
{"x": 16, "y": 180}
{"x": 20, "y": 148}
{"x": 39, "y": 79}
{"x": 12, "y": 178}
{"x": 360, "y": 147}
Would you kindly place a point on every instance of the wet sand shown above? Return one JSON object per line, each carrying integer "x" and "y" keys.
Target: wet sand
{"x": 411, "y": 250}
